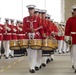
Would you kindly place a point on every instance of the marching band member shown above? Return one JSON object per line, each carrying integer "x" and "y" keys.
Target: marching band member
{"x": 20, "y": 36}
{"x": 53, "y": 32}
{"x": 44, "y": 58}
{"x": 20, "y": 31}
{"x": 60, "y": 38}
{"x": 12, "y": 24}
{"x": 50, "y": 30}
{"x": 39, "y": 52}
{"x": 64, "y": 43}
{"x": 70, "y": 35}
{"x": 30, "y": 25}
{"x": 68, "y": 46}
{"x": 7, "y": 37}
{"x": 14, "y": 34}
{"x": 1, "y": 36}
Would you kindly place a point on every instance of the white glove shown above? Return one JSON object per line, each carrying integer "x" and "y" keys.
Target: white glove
{"x": 14, "y": 30}
{"x": 1, "y": 28}
{"x": 67, "y": 38}
{"x": 20, "y": 28}
{"x": 8, "y": 28}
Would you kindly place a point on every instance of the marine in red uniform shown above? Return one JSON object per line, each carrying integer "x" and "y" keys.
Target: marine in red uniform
{"x": 14, "y": 35}
{"x": 1, "y": 36}
{"x": 60, "y": 38}
{"x": 20, "y": 31}
{"x": 70, "y": 30}
{"x": 45, "y": 35}
{"x": 39, "y": 52}
{"x": 7, "y": 36}
{"x": 51, "y": 33}
{"x": 32, "y": 26}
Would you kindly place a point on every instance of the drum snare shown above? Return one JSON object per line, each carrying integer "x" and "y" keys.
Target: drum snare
{"x": 14, "y": 45}
{"x": 35, "y": 44}
{"x": 47, "y": 44}
{"x": 24, "y": 43}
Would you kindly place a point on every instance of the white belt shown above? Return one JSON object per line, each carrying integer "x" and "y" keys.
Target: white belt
{"x": 23, "y": 34}
{"x": 20, "y": 34}
{"x": 0, "y": 33}
{"x": 73, "y": 32}
{"x": 7, "y": 33}
{"x": 14, "y": 33}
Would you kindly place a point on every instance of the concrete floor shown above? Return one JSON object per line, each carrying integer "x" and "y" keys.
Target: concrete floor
{"x": 19, "y": 66}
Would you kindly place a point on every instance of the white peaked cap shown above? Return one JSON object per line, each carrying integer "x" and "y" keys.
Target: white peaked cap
{"x": 74, "y": 7}
{"x": 6, "y": 18}
{"x": 40, "y": 10}
{"x": 43, "y": 11}
{"x": 52, "y": 19}
{"x": 11, "y": 19}
{"x": 30, "y": 6}
{"x": 36, "y": 9}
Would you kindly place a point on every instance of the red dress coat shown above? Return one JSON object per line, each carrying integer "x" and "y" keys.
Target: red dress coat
{"x": 14, "y": 33}
{"x": 70, "y": 29}
{"x": 32, "y": 22}
{"x": 20, "y": 34}
{"x": 7, "y": 35}
{"x": 1, "y": 31}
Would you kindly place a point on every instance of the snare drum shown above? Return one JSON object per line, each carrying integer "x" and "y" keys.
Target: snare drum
{"x": 47, "y": 44}
{"x": 14, "y": 45}
{"x": 23, "y": 43}
{"x": 56, "y": 44}
{"x": 35, "y": 44}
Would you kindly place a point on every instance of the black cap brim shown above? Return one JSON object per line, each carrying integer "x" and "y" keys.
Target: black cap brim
{"x": 43, "y": 12}
{"x": 6, "y": 20}
{"x": 36, "y": 12}
{"x": 30, "y": 8}
{"x": 74, "y": 9}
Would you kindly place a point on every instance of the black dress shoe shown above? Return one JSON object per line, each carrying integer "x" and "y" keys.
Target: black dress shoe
{"x": 52, "y": 59}
{"x": 67, "y": 52}
{"x": 63, "y": 52}
{"x": 75, "y": 71}
{"x": 40, "y": 67}
{"x": 59, "y": 53}
{"x": 48, "y": 60}
{"x": 6, "y": 57}
{"x": 0, "y": 57}
{"x": 32, "y": 71}
{"x": 43, "y": 64}
{"x": 36, "y": 68}
{"x": 12, "y": 56}
{"x": 73, "y": 66}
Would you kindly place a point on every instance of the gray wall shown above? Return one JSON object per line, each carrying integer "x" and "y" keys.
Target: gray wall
{"x": 68, "y": 4}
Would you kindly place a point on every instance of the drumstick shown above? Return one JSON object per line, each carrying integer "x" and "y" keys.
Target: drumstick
{"x": 38, "y": 28}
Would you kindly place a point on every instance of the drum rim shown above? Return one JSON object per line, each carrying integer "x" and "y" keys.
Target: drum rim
{"x": 14, "y": 47}
{"x": 35, "y": 45}
{"x": 48, "y": 47}
{"x": 24, "y": 45}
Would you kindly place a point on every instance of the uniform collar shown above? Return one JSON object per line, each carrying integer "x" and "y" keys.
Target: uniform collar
{"x": 31, "y": 17}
